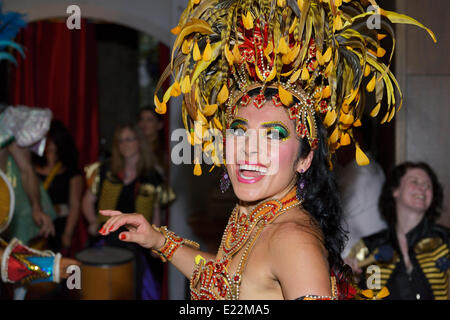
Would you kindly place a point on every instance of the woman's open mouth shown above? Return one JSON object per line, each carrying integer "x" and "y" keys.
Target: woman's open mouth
{"x": 419, "y": 198}
{"x": 250, "y": 173}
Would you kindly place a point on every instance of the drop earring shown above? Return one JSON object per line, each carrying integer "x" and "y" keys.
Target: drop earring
{"x": 301, "y": 186}
{"x": 224, "y": 181}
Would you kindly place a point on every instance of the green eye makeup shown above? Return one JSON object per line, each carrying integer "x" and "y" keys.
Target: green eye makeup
{"x": 276, "y": 130}
{"x": 239, "y": 126}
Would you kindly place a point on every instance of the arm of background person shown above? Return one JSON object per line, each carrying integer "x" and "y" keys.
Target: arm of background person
{"x": 30, "y": 181}
{"x": 88, "y": 208}
{"x": 64, "y": 263}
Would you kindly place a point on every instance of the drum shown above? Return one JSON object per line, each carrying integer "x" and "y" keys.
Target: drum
{"x": 107, "y": 273}
{"x": 6, "y": 202}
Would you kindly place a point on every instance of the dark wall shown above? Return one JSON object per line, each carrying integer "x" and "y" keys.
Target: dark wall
{"x": 118, "y": 78}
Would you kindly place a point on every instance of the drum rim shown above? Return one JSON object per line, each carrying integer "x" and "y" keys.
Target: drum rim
{"x": 12, "y": 200}
{"x": 104, "y": 264}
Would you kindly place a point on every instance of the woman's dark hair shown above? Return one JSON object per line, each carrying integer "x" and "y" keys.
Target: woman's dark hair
{"x": 387, "y": 202}
{"x": 66, "y": 150}
{"x": 160, "y": 139}
{"x": 151, "y": 109}
{"x": 322, "y": 200}
{"x": 159, "y": 146}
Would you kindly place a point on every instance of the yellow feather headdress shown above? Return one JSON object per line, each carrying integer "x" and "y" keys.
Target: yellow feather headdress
{"x": 314, "y": 52}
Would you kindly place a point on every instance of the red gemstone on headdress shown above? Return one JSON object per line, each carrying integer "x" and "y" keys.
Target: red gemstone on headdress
{"x": 258, "y": 39}
{"x": 301, "y": 130}
{"x": 259, "y": 101}
{"x": 236, "y": 278}
{"x": 248, "y": 55}
{"x": 314, "y": 143}
{"x": 276, "y": 100}
{"x": 323, "y": 106}
{"x": 245, "y": 99}
{"x": 308, "y": 101}
{"x": 293, "y": 112}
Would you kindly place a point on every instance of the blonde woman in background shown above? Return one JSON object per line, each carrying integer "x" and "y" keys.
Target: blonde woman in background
{"x": 128, "y": 181}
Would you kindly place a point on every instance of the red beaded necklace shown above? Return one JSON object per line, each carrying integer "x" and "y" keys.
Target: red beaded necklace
{"x": 213, "y": 276}
{"x": 240, "y": 227}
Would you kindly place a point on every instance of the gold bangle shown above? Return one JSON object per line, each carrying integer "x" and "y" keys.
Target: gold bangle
{"x": 171, "y": 244}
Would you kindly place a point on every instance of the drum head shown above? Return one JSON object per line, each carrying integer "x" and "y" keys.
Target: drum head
{"x": 6, "y": 202}
{"x": 105, "y": 256}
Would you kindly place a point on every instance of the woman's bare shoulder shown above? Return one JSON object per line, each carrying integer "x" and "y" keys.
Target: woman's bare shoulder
{"x": 295, "y": 227}
{"x": 297, "y": 257}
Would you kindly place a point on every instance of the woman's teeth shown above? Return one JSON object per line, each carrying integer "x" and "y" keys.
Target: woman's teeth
{"x": 249, "y": 167}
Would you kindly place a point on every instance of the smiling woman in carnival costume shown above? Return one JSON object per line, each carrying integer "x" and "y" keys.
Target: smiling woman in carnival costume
{"x": 280, "y": 84}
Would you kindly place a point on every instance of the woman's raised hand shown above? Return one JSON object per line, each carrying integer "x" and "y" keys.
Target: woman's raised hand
{"x": 139, "y": 229}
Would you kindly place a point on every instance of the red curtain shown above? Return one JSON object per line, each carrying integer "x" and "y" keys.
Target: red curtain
{"x": 59, "y": 72}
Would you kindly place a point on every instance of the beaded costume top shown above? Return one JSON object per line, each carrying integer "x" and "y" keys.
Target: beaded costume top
{"x": 211, "y": 279}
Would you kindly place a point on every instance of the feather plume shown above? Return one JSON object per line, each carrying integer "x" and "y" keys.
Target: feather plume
{"x": 316, "y": 53}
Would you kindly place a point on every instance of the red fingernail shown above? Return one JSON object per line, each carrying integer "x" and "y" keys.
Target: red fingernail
{"x": 122, "y": 237}
{"x": 110, "y": 228}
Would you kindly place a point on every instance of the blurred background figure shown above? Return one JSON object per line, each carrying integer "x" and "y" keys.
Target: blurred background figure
{"x": 151, "y": 125}
{"x": 360, "y": 187}
{"x": 59, "y": 173}
{"x": 127, "y": 182}
{"x": 412, "y": 253}
{"x": 23, "y": 130}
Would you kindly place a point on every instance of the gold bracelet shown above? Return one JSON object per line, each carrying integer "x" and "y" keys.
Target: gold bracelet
{"x": 172, "y": 243}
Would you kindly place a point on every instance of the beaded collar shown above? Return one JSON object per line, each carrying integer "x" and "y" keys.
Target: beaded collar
{"x": 211, "y": 279}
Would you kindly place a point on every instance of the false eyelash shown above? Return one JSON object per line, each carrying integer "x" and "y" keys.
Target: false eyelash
{"x": 283, "y": 136}
{"x": 237, "y": 126}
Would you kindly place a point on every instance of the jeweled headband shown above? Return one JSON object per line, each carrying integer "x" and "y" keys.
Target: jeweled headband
{"x": 316, "y": 53}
